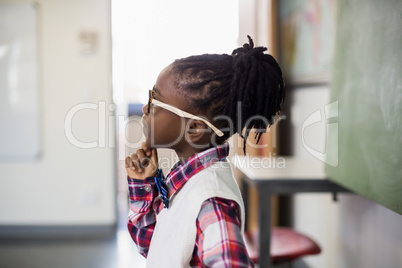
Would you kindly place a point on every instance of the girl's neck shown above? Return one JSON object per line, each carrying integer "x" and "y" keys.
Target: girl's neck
{"x": 184, "y": 155}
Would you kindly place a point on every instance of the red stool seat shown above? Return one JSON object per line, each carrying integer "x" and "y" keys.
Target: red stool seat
{"x": 286, "y": 245}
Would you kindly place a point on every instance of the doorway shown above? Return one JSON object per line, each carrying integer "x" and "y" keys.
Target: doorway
{"x": 146, "y": 37}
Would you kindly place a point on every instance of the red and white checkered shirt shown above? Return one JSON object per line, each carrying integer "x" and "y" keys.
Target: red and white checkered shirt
{"x": 217, "y": 215}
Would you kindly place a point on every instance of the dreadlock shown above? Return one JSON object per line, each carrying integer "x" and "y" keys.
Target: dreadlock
{"x": 246, "y": 87}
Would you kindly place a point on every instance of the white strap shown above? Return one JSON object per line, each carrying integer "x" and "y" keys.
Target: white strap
{"x": 187, "y": 115}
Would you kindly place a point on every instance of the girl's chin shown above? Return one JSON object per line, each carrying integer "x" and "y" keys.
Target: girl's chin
{"x": 150, "y": 144}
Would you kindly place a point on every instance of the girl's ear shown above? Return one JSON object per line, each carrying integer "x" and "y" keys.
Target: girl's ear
{"x": 198, "y": 132}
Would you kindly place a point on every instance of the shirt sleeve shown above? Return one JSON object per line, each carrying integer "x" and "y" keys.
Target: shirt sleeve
{"x": 141, "y": 219}
{"x": 219, "y": 242}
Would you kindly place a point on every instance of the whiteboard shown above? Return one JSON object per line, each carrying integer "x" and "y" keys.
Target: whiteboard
{"x": 19, "y": 90}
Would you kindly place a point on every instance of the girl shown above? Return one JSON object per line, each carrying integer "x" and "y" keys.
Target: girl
{"x": 195, "y": 216}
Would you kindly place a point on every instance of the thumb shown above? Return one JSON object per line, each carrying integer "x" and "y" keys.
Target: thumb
{"x": 154, "y": 157}
{"x": 154, "y": 165}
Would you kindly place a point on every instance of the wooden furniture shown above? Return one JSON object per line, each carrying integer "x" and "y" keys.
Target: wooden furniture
{"x": 274, "y": 176}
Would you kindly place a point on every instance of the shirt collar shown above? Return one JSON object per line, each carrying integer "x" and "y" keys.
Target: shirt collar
{"x": 182, "y": 172}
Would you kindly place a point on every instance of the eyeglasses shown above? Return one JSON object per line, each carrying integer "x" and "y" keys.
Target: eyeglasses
{"x": 177, "y": 111}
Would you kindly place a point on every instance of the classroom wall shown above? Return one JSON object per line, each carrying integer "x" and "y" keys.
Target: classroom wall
{"x": 352, "y": 232}
{"x": 67, "y": 185}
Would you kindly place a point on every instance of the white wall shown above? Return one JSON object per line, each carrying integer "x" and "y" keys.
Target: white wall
{"x": 353, "y": 232}
{"x": 67, "y": 185}
{"x": 370, "y": 236}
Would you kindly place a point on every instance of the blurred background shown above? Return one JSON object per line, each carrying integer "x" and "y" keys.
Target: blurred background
{"x": 75, "y": 74}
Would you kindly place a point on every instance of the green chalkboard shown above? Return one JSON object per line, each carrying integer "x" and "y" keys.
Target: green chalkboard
{"x": 367, "y": 84}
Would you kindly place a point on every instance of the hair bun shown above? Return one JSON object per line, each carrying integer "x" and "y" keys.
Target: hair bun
{"x": 248, "y": 49}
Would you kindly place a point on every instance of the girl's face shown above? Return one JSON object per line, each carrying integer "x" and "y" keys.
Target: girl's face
{"x": 162, "y": 128}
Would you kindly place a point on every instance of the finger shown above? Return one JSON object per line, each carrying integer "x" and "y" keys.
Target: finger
{"x": 130, "y": 168}
{"x": 152, "y": 167}
{"x": 128, "y": 162}
{"x": 135, "y": 162}
{"x": 146, "y": 149}
{"x": 154, "y": 160}
{"x": 154, "y": 157}
{"x": 142, "y": 158}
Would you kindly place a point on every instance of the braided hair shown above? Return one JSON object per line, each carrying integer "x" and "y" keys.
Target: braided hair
{"x": 246, "y": 87}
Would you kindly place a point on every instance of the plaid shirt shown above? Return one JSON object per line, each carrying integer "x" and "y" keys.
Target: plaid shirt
{"x": 218, "y": 223}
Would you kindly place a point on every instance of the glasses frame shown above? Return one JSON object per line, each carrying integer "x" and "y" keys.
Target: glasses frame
{"x": 179, "y": 112}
